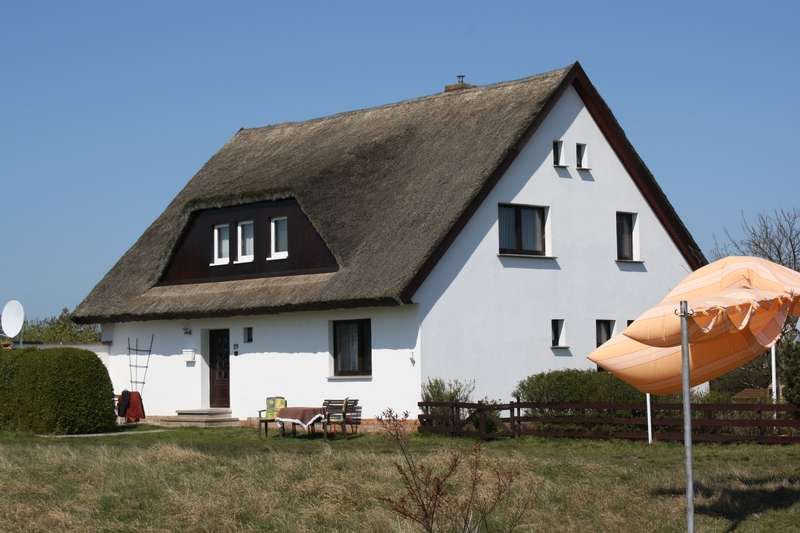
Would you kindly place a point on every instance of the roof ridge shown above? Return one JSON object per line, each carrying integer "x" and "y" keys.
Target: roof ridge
{"x": 416, "y": 99}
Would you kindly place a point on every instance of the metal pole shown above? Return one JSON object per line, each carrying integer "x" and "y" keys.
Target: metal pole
{"x": 687, "y": 416}
{"x": 774, "y": 375}
{"x": 649, "y": 420}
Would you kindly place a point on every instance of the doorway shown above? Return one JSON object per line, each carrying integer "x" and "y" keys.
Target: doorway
{"x": 219, "y": 367}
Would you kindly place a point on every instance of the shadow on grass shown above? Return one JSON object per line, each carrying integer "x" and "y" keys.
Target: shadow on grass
{"x": 737, "y": 504}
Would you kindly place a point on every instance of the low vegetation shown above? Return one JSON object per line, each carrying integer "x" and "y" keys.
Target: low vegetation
{"x": 576, "y": 386}
{"x": 230, "y": 479}
{"x": 60, "y": 390}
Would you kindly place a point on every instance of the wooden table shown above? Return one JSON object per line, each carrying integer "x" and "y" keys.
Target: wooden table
{"x": 303, "y": 416}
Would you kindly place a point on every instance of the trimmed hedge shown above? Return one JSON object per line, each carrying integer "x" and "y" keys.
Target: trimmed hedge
{"x": 58, "y": 390}
{"x": 576, "y": 386}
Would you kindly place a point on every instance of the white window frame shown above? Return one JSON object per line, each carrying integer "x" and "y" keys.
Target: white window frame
{"x": 636, "y": 249}
{"x": 216, "y": 259}
{"x": 562, "y": 158}
{"x": 583, "y": 164}
{"x": 273, "y": 254}
{"x": 244, "y": 258}
{"x": 562, "y": 339}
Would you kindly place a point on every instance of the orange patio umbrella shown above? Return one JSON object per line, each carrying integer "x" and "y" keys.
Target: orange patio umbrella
{"x": 737, "y": 306}
{"x": 715, "y": 320}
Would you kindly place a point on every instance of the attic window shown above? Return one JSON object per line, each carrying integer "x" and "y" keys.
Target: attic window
{"x": 558, "y": 154}
{"x": 582, "y": 156}
{"x": 222, "y": 242}
{"x": 522, "y": 229}
{"x": 246, "y": 240}
{"x": 278, "y": 238}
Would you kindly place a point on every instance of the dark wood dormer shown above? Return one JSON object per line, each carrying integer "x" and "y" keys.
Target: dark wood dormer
{"x": 194, "y": 259}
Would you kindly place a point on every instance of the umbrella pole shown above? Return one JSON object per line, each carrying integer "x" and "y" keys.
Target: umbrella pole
{"x": 774, "y": 374}
{"x": 649, "y": 420}
{"x": 687, "y": 416}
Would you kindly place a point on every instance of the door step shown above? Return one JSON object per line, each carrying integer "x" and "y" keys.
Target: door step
{"x": 201, "y": 418}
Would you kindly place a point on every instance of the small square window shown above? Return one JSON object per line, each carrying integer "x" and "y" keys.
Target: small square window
{"x": 582, "y": 156}
{"x": 279, "y": 238}
{"x": 246, "y": 238}
{"x": 557, "y": 333}
{"x": 626, "y": 237}
{"x": 248, "y": 335}
{"x": 629, "y": 323}
{"x": 558, "y": 154}
{"x": 604, "y": 329}
{"x": 222, "y": 241}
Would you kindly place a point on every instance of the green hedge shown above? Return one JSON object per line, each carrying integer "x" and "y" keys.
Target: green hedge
{"x": 576, "y": 386}
{"x": 58, "y": 390}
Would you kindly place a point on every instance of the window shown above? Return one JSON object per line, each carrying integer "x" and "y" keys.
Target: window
{"x": 558, "y": 154}
{"x": 604, "y": 329}
{"x": 246, "y": 239}
{"x": 626, "y": 243}
{"x": 352, "y": 348}
{"x": 221, "y": 245}
{"x": 582, "y": 156}
{"x": 248, "y": 335}
{"x": 522, "y": 229}
{"x": 629, "y": 322}
{"x": 557, "y": 333}
{"x": 279, "y": 238}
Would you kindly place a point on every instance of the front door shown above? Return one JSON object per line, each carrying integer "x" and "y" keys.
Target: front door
{"x": 219, "y": 363}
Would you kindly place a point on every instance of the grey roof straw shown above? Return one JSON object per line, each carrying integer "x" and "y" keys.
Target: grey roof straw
{"x": 385, "y": 187}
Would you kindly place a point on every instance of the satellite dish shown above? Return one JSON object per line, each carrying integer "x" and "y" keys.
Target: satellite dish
{"x": 13, "y": 318}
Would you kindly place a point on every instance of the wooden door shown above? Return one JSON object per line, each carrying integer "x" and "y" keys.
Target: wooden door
{"x": 219, "y": 363}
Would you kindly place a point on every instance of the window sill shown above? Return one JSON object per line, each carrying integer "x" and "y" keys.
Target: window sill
{"x": 582, "y": 168}
{"x": 630, "y": 261}
{"x": 349, "y": 378}
{"x": 244, "y": 260}
{"x": 561, "y": 166}
{"x": 219, "y": 263}
{"x": 277, "y": 257}
{"x": 528, "y": 256}
{"x": 560, "y": 347}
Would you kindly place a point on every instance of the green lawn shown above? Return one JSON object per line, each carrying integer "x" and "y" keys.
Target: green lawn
{"x": 229, "y": 479}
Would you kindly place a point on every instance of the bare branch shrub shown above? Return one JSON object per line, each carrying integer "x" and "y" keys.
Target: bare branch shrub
{"x": 452, "y": 498}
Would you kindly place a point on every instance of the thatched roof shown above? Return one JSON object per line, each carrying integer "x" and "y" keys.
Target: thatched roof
{"x": 386, "y": 188}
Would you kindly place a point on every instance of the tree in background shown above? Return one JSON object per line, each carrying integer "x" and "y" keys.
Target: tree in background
{"x": 774, "y": 236}
{"x": 60, "y": 330}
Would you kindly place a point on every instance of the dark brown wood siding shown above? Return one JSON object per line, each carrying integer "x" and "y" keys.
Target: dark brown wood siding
{"x": 191, "y": 262}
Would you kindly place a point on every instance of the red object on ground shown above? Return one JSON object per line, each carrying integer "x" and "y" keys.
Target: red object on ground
{"x": 135, "y": 410}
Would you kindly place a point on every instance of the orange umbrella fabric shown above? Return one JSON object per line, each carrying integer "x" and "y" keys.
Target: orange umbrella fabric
{"x": 739, "y": 307}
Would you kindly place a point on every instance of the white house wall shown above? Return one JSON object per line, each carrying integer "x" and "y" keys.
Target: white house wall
{"x": 487, "y": 318}
{"x": 289, "y": 356}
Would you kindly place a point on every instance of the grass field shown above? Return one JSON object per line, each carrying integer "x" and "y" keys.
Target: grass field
{"x": 229, "y": 479}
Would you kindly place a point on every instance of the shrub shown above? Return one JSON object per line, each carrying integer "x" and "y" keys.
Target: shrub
{"x": 790, "y": 365}
{"x": 59, "y": 390}
{"x": 439, "y": 390}
{"x": 576, "y": 386}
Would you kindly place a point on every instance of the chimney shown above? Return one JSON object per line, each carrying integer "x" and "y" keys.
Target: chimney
{"x": 457, "y": 86}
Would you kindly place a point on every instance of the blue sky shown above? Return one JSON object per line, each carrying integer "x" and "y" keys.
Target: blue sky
{"x": 106, "y": 110}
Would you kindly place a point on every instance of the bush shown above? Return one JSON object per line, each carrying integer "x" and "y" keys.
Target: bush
{"x": 439, "y": 390}
{"x": 564, "y": 386}
{"x": 59, "y": 390}
{"x": 790, "y": 366}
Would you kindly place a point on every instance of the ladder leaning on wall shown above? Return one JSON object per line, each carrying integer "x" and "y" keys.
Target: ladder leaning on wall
{"x": 135, "y": 366}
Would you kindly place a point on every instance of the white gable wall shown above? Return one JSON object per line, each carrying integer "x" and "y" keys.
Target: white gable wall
{"x": 487, "y": 318}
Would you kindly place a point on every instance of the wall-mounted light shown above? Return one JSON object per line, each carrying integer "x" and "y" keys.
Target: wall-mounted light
{"x": 188, "y": 355}
{"x": 187, "y": 330}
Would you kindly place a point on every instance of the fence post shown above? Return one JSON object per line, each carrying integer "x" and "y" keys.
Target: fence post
{"x": 482, "y": 421}
{"x": 453, "y": 413}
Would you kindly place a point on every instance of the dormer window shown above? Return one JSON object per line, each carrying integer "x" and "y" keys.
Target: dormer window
{"x": 246, "y": 238}
{"x": 558, "y": 154}
{"x": 222, "y": 241}
{"x": 278, "y": 238}
{"x": 582, "y": 156}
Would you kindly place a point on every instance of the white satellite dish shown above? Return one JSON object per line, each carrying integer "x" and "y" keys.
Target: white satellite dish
{"x": 13, "y": 318}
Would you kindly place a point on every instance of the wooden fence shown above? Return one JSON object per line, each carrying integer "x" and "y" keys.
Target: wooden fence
{"x": 745, "y": 422}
